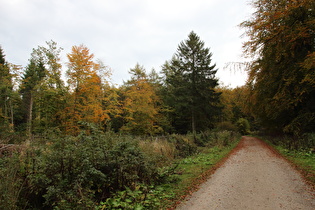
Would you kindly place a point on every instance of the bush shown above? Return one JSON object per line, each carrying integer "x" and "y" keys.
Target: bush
{"x": 67, "y": 172}
{"x": 184, "y": 145}
{"x": 308, "y": 142}
{"x": 75, "y": 172}
{"x": 226, "y": 126}
{"x": 243, "y": 126}
{"x": 222, "y": 138}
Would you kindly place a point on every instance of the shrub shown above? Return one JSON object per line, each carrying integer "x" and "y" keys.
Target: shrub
{"x": 222, "y": 138}
{"x": 309, "y": 141}
{"x": 67, "y": 172}
{"x": 243, "y": 126}
{"x": 226, "y": 126}
{"x": 184, "y": 145}
{"x": 75, "y": 172}
{"x": 305, "y": 142}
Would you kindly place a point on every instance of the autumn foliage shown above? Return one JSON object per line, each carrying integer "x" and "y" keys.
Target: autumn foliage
{"x": 86, "y": 94}
{"x": 281, "y": 77}
{"x": 141, "y": 104}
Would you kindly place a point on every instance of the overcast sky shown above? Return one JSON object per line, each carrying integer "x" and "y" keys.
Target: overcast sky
{"x": 122, "y": 33}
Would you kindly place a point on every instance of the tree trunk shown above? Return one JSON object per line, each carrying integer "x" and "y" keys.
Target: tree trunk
{"x": 30, "y": 116}
{"x": 11, "y": 116}
{"x": 193, "y": 123}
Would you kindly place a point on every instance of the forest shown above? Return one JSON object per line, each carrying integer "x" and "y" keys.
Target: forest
{"x": 81, "y": 142}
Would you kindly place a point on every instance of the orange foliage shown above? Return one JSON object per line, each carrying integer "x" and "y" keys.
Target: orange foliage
{"x": 85, "y": 101}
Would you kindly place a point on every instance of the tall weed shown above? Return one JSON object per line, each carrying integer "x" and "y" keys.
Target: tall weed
{"x": 159, "y": 149}
{"x": 222, "y": 138}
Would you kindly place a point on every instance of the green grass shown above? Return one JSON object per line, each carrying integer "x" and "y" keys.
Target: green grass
{"x": 193, "y": 171}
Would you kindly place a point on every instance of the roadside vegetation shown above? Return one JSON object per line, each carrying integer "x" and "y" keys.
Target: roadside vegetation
{"x": 107, "y": 170}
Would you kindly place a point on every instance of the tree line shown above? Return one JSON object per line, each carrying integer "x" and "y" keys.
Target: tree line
{"x": 281, "y": 76}
{"x": 184, "y": 96}
{"x": 179, "y": 99}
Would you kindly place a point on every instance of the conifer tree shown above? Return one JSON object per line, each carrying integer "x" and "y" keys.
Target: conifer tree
{"x": 33, "y": 75}
{"x": 190, "y": 82}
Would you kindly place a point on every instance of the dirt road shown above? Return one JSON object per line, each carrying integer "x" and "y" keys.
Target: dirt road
{"x": 254, "y": 177}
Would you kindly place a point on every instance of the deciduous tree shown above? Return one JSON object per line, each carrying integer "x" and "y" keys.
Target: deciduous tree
{"x": 85, "y": 102}
{"x": 140, "y": 104}
{"x": 281, "y": 40}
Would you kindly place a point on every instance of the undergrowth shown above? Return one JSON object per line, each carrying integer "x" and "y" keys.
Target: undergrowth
{"x": 106, "y": 170}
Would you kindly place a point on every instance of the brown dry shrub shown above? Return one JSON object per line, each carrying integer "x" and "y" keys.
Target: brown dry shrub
{"x": 159, "y": 148}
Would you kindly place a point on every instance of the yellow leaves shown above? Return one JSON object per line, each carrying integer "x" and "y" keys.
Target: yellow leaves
{"x": 81, "y": 66}
{"x": 234, "y": 99}
{"x": 86, "y": 100}
{"x": 140, "y": 104}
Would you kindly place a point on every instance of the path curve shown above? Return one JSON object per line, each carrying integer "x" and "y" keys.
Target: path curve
{"x": 254, "y": 177}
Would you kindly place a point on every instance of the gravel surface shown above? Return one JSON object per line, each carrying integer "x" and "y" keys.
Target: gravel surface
{"x": 254, "y": 177}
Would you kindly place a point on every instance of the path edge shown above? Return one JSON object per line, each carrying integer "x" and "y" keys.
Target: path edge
{"x": 296, "y": 167}
{"x": 203, "y": 177}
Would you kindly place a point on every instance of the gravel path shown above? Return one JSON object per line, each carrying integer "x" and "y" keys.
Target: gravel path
{"x": 255, "y": 178}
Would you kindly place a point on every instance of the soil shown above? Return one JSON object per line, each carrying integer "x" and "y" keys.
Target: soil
{"x": 253, "y": 177}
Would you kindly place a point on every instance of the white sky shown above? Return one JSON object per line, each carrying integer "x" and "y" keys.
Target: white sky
{"x": 122, "y": 33}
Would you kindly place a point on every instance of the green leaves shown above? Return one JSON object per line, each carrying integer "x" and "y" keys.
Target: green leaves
{"x": 7, "y": 96}
{"x": 243, "y": 126}
{"x": 74, "y": 172}
{"x": 142, "y": 197}
{"x": 42, "y": 89}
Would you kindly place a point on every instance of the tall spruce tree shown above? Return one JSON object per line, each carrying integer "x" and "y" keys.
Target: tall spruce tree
{"x": 190, "y": 82}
